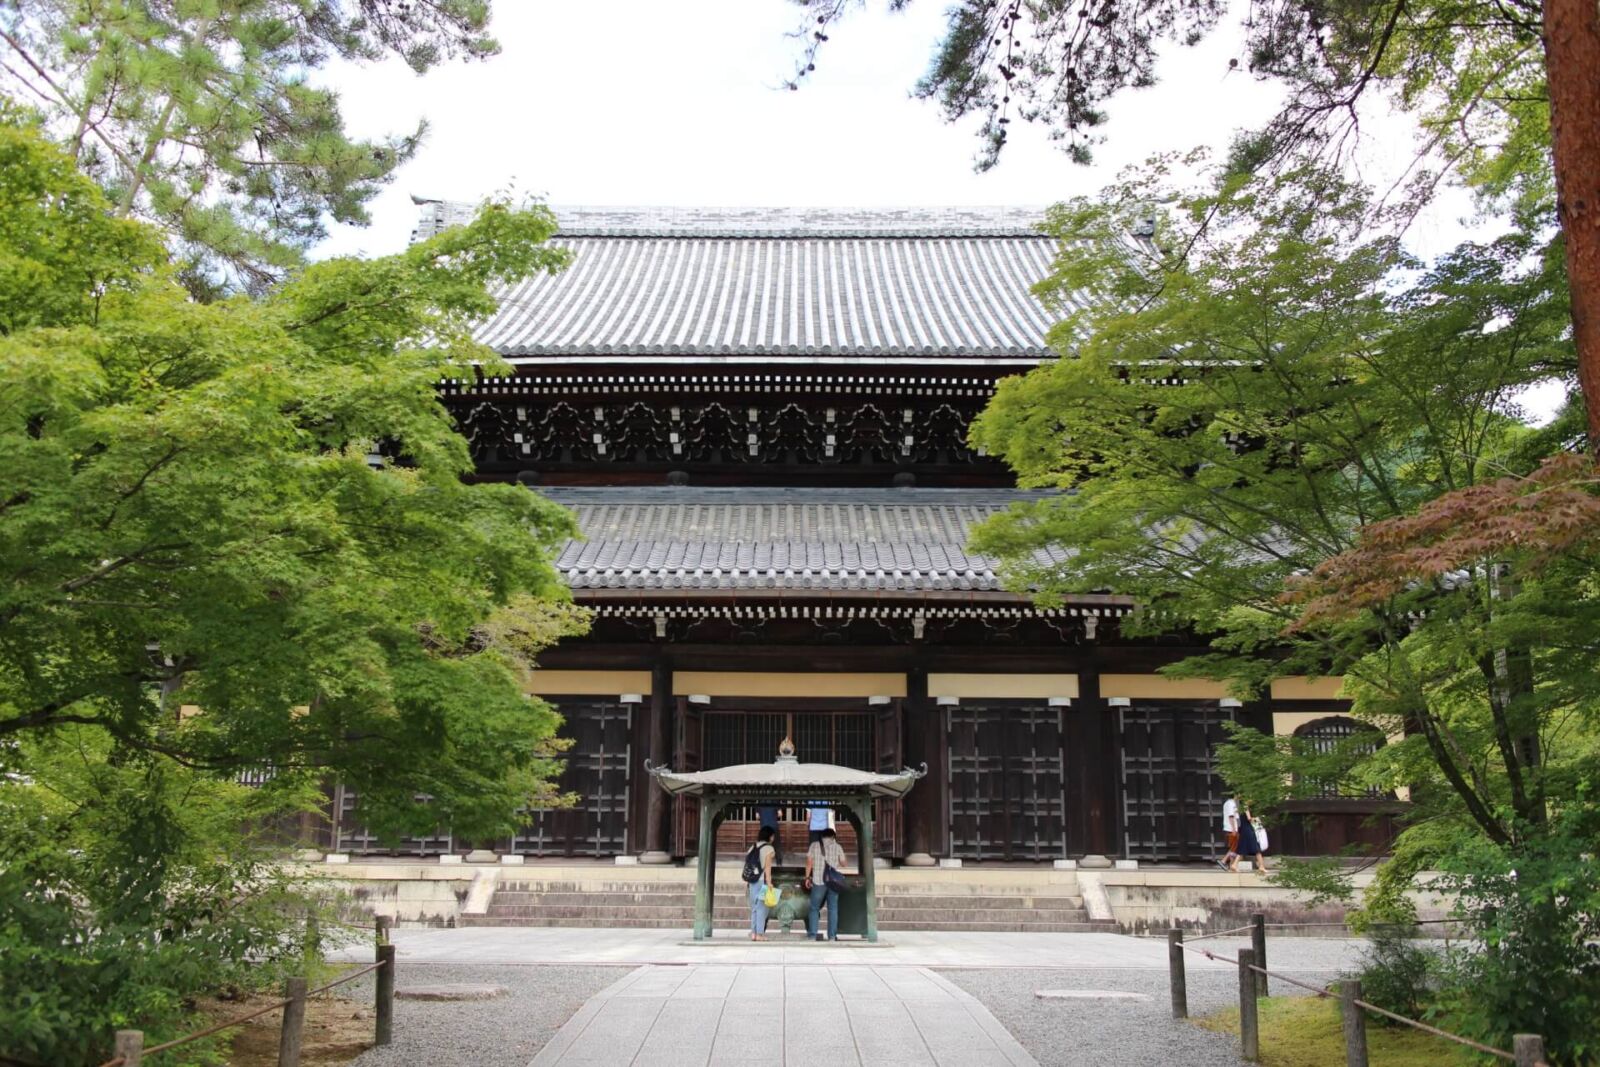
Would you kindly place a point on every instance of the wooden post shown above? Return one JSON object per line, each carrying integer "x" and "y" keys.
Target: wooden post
{"x": 869, "y": 874}
{"x": 130, "y": 1046}
{"x": 380, "y": 927}
{"x": 1355, "y": 1023}
{"x": 1249, "y": 1026}
{"x": 1529, "y": 1050}
{"x": 294, "y": 1023}
{"x": 385, "y": 986}
{"x": 1258, "y": 946}
{"x": 1180, "y": 986}
{"x": 705, "y": 886}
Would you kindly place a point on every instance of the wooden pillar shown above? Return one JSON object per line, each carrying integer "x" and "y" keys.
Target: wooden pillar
{"x": 658, "y": 806}
{"x": 1094, "y": 767}
{"x": 923, "y": 807}
{"x": 705, "y": 877}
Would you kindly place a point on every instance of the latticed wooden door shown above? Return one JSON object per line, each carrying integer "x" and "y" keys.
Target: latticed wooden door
{"x": 350, "y": 836}
{"x": 1171, "y": 793}
{"x": 1007, "y": 782}
{"x": 598, "y": 771}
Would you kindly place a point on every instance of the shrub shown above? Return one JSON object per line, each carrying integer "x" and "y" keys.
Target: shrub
{"x": 127, "y": 889}
{"x": 1400, "y": 973}
{"x": 1536, "y": 969}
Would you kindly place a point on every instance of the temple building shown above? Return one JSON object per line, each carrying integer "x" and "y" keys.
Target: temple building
{"x": 760, "y": 418}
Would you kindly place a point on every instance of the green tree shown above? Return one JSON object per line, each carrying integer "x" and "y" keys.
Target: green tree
{"x": 193, "y": 514}
{"x": 198, "y": 114}
{"x": 1240, "y": 421}
{"x": 238, "y": 537}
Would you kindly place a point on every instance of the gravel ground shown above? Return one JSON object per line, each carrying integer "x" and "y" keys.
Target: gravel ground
{"x": 1138, "y": 1033}
{"x": 505, "y": 1032}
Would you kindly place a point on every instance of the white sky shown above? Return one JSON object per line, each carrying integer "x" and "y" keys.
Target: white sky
{"x": 649, "y": 102}
{"x": 654, "y": 102}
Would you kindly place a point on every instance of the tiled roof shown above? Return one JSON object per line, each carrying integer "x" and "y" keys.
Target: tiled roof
{"x": 779, "y": 539}
{"x": 775, "y": 284}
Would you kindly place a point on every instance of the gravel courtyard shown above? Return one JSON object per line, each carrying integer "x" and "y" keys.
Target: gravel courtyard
{"x": 1137, "y": 1032}
{"x": 541, "y": 997}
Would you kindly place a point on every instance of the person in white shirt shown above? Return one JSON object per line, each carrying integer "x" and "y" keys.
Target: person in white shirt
{"x": 1230, "y": 826}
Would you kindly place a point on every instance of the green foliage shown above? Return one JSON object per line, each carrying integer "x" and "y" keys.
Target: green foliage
{"x": 189, "y": 518}
{"x": 198, "y": 114}
{"x": 1232, "y": 415}
{"x": 1401, "y": 973}
{"x": 1536, "y": 909}
{"x": 126, "y": 889}
{"x": 209, "y": 569}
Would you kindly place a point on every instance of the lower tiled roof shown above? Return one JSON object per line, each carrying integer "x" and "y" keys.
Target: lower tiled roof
{"x": 780, "y": 539}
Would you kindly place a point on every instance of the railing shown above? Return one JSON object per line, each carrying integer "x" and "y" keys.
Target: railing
{"x": 130, "y": 1051}
{"x": 1527, "y": 1049}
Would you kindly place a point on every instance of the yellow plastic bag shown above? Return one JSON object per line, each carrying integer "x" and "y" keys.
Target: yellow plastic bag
{"x": 770, "y": 898}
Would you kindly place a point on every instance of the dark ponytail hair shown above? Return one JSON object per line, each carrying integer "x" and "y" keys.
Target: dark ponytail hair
{"x": 765, "y": 834}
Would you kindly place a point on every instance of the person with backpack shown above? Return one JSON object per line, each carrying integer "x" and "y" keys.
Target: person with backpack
{"x": 757, "y": 874}
{"x": 824, "y": 878}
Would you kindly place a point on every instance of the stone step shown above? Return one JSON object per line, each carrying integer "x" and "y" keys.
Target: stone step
{"x": 730, "y": 927}
{"x": 668, "y": 915}
{"x": 895, "y": 900}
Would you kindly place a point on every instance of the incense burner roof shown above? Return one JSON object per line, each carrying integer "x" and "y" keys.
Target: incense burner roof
{"x": 786, "y": 779}
{"x": 775, "y": 284}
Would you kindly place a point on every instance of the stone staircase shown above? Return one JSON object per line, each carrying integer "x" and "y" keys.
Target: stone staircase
{"x": 905, "y": 902}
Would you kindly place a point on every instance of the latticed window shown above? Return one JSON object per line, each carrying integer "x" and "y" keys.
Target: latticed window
{"x": 844, "y": 738}
{"x": 1343, "y": 735}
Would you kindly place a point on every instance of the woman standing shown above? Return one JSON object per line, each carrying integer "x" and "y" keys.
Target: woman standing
{"x": 824, "y": 855}
{"x": 763, "y": 854}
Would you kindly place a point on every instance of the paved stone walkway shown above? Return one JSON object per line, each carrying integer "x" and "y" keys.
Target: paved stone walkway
{"x": 711, "y": 1015}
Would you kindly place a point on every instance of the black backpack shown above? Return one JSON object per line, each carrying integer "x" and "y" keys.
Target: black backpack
{"x": 752, "y": 866}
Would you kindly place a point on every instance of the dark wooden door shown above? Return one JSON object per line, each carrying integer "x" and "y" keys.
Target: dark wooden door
{"x": 887, "y": 820}
{"x": 1007, "y": 782}
{"x": 1171, "y": 794}
{"x": 350, "y": 836}
{"x": 598, "y": 772}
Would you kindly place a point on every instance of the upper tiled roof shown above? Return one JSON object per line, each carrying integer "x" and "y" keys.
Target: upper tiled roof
{"x": 781, "y": 284}
{"x": 780, "y": 539}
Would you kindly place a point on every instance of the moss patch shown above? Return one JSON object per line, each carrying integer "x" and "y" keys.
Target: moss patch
{"x": 1307, "y": 1032}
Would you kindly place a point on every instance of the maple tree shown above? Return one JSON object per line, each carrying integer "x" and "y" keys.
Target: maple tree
{"x": 238, "y": 543}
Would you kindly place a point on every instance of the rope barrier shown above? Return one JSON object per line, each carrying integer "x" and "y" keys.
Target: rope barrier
{"x": 1323, "y": 991}
{"x": 352, "y": 976}
{"x": 175, "y": 1042}
{"x": 219, "y": 1027}
{"x": 1221, "y": 933}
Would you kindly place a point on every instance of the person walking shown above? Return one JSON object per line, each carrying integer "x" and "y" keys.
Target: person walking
{"x": 1253, "y": 841}
{"x": 758, "y": 873}
{"x": 1230, "y": 827}
{"x": 824, "y": 878}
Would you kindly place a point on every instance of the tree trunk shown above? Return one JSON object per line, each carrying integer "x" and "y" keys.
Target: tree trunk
{"x": 1572, "y": 65}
